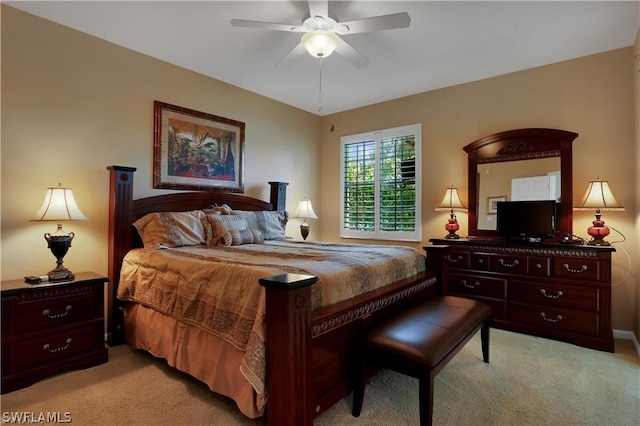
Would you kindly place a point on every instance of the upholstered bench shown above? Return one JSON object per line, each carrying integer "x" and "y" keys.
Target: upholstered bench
{"x": 420, "y": 342}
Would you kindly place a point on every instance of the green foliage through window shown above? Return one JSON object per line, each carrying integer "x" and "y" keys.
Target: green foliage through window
{"x": 379, "y": 184}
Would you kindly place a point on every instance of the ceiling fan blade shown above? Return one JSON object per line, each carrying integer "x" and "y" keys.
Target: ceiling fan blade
{"x": 319, "y": 8}
{"x": 266, "y": 25}
{"x": 294, "y": 54}
{"x": 345, "y": 50}
{"x": 376, "y": 23}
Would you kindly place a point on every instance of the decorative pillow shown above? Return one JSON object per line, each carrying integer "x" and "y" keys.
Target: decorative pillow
{"x": 171, "y": 229}
{"x": 223, "y": 209}
{"x": 272, "y": 224}
{"x": 219, "y": 224}
{"x": 236, "y": 238}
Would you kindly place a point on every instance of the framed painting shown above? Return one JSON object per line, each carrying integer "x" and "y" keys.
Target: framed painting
{"x": 492, "y": 203}
{"x": 194, "y": 150}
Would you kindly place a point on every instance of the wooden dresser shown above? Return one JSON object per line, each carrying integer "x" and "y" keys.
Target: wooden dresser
{"x": 556, "y": 291}
{"x": 51, "y": 327}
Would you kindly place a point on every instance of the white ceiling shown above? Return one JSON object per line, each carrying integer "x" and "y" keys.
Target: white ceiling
{"x": 447, "y": 43}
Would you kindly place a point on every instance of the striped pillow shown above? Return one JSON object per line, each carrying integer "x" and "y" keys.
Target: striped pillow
{"x": 237, "y": 238}
{"x": 218, "y": 224}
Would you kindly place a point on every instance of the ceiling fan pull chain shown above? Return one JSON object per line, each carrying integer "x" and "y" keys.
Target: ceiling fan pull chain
{"x": 320, "y": 89}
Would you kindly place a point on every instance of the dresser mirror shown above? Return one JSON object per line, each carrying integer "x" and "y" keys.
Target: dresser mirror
{"x": 519, "y": 160}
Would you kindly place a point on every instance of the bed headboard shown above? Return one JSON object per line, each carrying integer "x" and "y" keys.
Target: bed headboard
{"x": 124, "y": 210}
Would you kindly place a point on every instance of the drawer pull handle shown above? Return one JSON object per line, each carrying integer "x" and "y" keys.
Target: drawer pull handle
{"x": 47, "y": 347}
{"x": 467, "y": 285}
{"x": 551, "y": 296}
{"x": 456, "y": 260}
{"x": 47, "y": 313}
{"x": 509, "y": 265}
{"x": 556, "y": 319}
{"x": 574, "y": 271}
{"x": 481, "y": 261}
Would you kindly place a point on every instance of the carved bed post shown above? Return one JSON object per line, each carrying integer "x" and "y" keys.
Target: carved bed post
{"x": 288, "y": 349}
{"x": 120, "y": 197}
{"x": 278, "y": 197}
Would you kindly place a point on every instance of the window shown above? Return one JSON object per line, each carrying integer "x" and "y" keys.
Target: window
{"x": 380, "y": 180}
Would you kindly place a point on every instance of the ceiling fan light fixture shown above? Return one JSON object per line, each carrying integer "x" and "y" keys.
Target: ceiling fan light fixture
{"x": 320, "y": 43}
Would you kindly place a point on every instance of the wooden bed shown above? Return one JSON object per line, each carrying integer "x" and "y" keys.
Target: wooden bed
{"x": 308, "y": 352}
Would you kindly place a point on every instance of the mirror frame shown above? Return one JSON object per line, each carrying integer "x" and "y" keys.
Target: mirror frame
{"x": 516, "y": 145}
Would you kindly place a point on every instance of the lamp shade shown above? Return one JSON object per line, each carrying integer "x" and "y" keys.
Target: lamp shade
{"x": 305, "y": 210}
{"x": 451, "y": 201}
{"x": 59, "y": 205}
{"x": 599, "y": 197}
{"x": 320, "y": 43}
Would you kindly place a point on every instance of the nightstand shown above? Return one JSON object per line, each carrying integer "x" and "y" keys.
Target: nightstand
{"x": 51, "y": 327}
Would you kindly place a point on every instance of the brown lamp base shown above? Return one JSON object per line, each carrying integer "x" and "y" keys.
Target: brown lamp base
{"x": 304, "y": 230}
{"x": 59, "y": 246}
{"x": 60, "y": 275}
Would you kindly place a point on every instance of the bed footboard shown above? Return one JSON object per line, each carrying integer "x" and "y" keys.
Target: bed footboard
{"x": 288, "y": 351}
{"x": 310, "y": 354}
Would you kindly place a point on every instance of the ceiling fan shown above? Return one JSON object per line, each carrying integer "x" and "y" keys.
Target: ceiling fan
{"x": 322, "y": 33}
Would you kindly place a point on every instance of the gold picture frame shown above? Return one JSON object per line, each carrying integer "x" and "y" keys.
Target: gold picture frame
{"x": 492, "y": 203}
{"x": 194, "y": 150}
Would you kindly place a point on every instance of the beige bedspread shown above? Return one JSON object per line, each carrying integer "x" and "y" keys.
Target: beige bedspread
{"x": 217, "y": 289}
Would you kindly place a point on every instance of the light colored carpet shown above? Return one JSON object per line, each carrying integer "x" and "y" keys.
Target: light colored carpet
{"x": 530, "y": 381}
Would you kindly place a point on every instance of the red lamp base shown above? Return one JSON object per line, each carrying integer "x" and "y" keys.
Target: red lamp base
{"x": 598, "y": 231}
{"x": 452, "y": 226}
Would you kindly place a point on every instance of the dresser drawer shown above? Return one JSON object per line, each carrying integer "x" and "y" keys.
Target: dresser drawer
{"x": 478, "y": 285}
{"x": 577, "y": 269}
{"x": 49, "y": 348}
{"x": 552, "y": 318}
{"x": 555, "y": 295}
{"x": 479, "y": 261}
{"x": 54, "y": 312}
{"x": 539, "y": 266}
{"x": 508, "y": 264}
{"x": 458, "y": 259}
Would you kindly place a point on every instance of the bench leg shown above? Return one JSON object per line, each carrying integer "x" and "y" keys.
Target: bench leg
{"x": 358, "y": 390}
{"x": 426, "y": 398}
{"x": 484, "y": 336}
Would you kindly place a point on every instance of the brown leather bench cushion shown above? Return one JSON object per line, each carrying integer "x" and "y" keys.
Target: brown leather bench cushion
{"x": 429, "y": 331}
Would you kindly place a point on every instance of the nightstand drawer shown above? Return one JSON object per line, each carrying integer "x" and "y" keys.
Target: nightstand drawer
{"x": 549, "y": 294}
{"x": 54, "y": 347}
{"x": 568, "y": 320}
{"x": 51, "y": 327}
{"x": 54, "y": 312}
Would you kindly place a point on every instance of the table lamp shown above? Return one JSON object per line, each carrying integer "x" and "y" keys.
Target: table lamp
{"x": 599, "y": 197}
{"x": 451, "y": 202}
{"x": 305, "y": 211}
{"x": 59, "y": 205}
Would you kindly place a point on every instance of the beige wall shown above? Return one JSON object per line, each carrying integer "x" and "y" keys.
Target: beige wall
{"x": 636, "y": 73}
{"x": 73, "y": 104}
{"x": 592, "y": 96}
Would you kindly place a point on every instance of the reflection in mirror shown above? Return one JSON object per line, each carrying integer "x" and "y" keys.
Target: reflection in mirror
{"x": 517, "y": 149}
{"x": 537, "y": 179}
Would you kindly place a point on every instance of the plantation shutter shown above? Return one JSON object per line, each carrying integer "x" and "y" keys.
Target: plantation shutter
{"x": 380, "y": 185}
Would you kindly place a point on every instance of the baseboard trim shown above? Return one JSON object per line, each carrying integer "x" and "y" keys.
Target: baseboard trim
{"x": 628, "y": 335}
